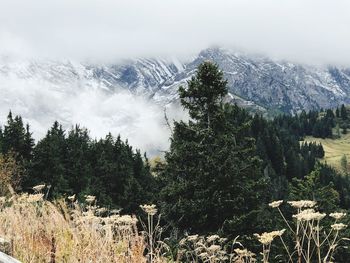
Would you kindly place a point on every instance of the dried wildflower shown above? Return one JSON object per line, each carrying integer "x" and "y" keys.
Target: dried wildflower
{"x": 88, "y": 213}
{"x": 90, "y": 198}
{"x": 22, "y": 198}
{"x": 149, "y": 209}
{"x": 192, "y": 238}
{"x": 267, "y": 237}
{"x": 337, "y": 216}
{"x": 35, "y": 198}
{"x": 101, "y": 210}
{"x": 338, "y": 227}
{"x": 115, "y": 211}
{"x": 126, "y": 220}
{"x": 2, "y": 200}
{"x": 71, "y": 198}
{"x": 308, "y": 215}
{"x": 302, "y": 204}
{"x": 244, "y": 252}
{"x": 203, "y": 255}
{"x": 39, "y": 188}
{"x": 182, "y": 242}
{"x": 276, "y": 204}
{"x": 222, "y": 240}
{"x": 212, "y": 238}
{"x": 214, "y": 248}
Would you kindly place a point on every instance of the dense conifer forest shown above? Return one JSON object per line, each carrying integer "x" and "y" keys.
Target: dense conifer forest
{"x": 223, "y": 167}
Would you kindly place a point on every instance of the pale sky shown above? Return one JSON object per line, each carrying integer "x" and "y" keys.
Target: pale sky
{"x": 309, "y": 31}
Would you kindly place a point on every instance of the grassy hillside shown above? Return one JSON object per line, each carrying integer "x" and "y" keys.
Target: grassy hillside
{"x": 334, "y": 149}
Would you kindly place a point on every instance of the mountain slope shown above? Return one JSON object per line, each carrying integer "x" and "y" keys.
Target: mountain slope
{"x": 128, "y": 97}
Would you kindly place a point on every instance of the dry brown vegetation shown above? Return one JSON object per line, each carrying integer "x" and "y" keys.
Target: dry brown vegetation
{"x": 42, "y": 231}
{"x": 66, "y": 231}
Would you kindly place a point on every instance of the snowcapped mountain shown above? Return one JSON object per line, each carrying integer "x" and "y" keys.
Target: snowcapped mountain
{"x": 254, "y": 81}
{"x": 129, "y": 97}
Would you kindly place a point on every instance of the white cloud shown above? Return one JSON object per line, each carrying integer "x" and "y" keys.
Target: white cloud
{"x": 312, "y": 31}
{"x": 34, "y": 92}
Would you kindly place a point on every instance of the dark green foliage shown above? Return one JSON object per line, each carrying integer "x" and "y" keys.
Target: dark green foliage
{"x": 213, "y": 177}
{"x": 313, "y": 188}
{"x": 120, "y": 176}
{"x": 204, "y": 95}
{"x": 17, "y": 138}
{"x": 344, "y": 129}
{"x": 74, "y": 164}
{"x": 48, "y": 164}
{"x": 283, "y": 156}
{"x": 337, "y": 113}
{"x": 343, "y": 112}
{"x": 312, "y": 123}
{"x": 77, "y": 163}
{"x": 344, "y": 163}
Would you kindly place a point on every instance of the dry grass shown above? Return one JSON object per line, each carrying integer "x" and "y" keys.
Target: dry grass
{"x": 334, "y": 149}
{"x": 42, "y": 231}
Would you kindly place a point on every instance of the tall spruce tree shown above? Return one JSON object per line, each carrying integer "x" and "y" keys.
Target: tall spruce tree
{"x": 343, "y": 112}
{"x": 77, "y": 165}
{"x": 17, "y": 138}
{"x": 212, "y": 177}
{"x": 48, "y": 165}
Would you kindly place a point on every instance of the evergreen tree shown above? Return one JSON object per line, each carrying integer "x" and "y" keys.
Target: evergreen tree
{"x": 77, "y": 164}
{"x": 345, "y": 129}
{"x": 213, "y": 178}
{"x": 337, "y": 130}
{"x": 120, "y": 176}
{"x": 204, "y": 96}
{"x": 337, "y": 113}
{"x": 343, "y": 112}
{"x": 344, "y": 163}
{"x": 17, "y": 138}
{"x": 312, "y": 188}
{"x": 48, "y": 165}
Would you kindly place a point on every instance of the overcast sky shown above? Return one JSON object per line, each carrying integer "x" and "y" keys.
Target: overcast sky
{"x": 311, "y": 31}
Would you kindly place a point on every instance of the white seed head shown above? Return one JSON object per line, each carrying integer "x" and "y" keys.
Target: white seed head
{"x": 308, "y": 215}
{"x": 267, "y": 237}
{"x": 338, "y": 227}
{"x": 243, "y": 252}
{"x": 35, "y": 198}
{"x": 115, "y": 211}
{"x": 149, "y": 209}
{"x": 38, "y": 188}
{"x": 337, "y": 216}
{"x": 90, "y": 198}
{"x": 101, "y": 210}
{"x": 71, "y": 198}
{"x": 214, "y": 248}
{"x": 302, "y": 204}
{"x": 212, "y": 238}
{"x": 275, "y": 204}
{"x": 2, "y": 199}
{"x": 192, "y": 238}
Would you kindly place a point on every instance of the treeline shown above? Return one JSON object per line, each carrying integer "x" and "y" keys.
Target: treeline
{"x": 318, "y": 124}
{"x": 73, "y": 163}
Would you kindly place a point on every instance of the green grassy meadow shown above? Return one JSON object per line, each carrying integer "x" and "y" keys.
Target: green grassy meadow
{"x": 334, "y": 149}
